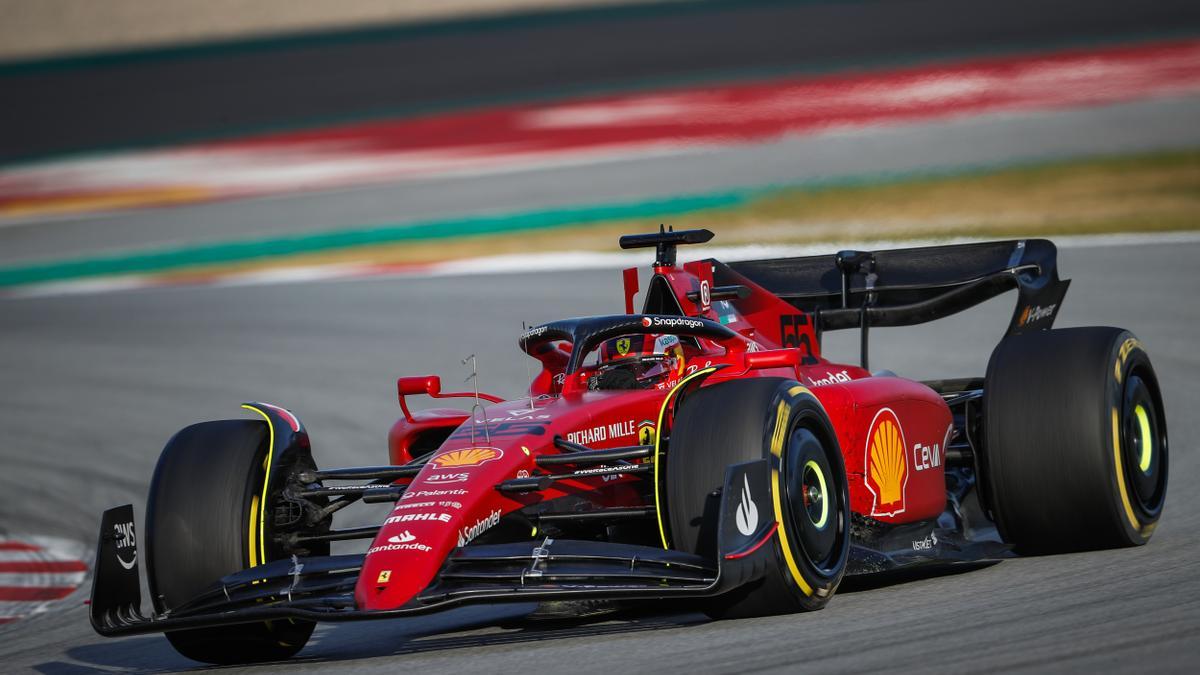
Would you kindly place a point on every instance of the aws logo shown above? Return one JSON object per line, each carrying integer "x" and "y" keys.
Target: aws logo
{"x": 886, "y": 464}
{"x": 466, "y": 457}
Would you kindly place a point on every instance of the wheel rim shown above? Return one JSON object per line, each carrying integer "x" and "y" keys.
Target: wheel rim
{"x": 815, "y": 495}
{"x": 813, "y": 503}
{"x": 1143, "y": 446}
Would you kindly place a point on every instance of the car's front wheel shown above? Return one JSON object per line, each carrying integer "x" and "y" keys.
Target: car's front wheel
{"x": 780, "y": 420}
{"x": 203, "y": 521}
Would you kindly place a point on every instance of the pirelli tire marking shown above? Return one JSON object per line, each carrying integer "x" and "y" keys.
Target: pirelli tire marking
{"x": 777, "y": 435}
{"x": 1121, "y": 368}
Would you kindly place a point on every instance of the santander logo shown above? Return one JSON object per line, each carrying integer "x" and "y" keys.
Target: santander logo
{"x": 402, "y": 538}
{"x": 405, "y": 541}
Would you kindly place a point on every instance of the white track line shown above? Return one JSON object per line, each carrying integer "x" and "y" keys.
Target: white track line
{"x": 39, "y": 580}
{"x": 555, "y": 261}
{"x": 52, "y": 570}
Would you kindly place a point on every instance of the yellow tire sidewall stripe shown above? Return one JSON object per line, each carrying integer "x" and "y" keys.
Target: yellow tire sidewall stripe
{"x": 662, "y": 411}
{"x": 253, "y": 540}
{"x": 1119, "y": 466}
{"x": 778, "y": 435}
{"x": 262, "y": 510}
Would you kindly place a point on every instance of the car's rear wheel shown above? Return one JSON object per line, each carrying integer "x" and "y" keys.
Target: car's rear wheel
{"x": 735, "y": 422}
{"x": 202, "y": 520}
{"x": 1075, "y": 453}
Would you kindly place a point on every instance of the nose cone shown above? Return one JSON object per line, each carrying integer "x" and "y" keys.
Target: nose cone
{"x": 451, "y": 501}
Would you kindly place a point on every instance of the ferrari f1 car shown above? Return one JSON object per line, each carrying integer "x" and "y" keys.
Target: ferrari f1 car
{"x": 700, "y": 450}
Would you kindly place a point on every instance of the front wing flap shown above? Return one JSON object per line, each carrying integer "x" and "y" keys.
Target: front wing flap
{"x": 322, "y": 588}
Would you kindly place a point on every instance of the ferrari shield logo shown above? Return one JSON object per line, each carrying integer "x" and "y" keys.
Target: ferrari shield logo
{"x": 646, "y": 433}
{"x": 623, "y": 346}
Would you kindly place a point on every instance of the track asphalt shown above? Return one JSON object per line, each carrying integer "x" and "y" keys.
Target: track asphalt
{"x": 93, "y": 386}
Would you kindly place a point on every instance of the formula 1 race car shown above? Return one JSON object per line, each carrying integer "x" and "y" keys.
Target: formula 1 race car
{"x": 702, "y": 449}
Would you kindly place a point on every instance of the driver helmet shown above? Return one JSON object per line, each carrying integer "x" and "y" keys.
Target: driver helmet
{"x": 639, "y": 361}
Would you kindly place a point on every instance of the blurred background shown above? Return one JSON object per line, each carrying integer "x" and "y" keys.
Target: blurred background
{"x": 188, "y": 140}
{"x": 231, "y": 149}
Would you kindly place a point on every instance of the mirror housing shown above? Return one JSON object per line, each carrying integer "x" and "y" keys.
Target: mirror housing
{"x": 415, "y": 386}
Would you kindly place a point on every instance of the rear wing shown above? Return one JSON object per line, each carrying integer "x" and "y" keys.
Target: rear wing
{"x": 903, "y": 287}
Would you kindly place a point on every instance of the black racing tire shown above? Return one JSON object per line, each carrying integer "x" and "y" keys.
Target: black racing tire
{"x": 734, "y": 422}
{"x": 205, "y": 490}
{"x": 1075, "y": 440}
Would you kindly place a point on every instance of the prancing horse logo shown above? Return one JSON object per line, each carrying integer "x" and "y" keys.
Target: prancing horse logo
{"x": 623, "y": 346}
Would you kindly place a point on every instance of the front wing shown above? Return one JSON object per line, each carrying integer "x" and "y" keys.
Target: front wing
{"x": 322, "y": 588}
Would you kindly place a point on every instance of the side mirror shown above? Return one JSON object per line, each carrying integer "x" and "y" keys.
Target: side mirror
{"x": 774, "y": 358}
{"x": 415, "y": 386}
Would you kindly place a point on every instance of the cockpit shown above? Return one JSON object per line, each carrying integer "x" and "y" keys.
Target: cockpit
{"x": 623, "y": 351}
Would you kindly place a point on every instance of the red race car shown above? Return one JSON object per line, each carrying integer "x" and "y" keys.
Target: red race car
{"x": 702, "y": 449}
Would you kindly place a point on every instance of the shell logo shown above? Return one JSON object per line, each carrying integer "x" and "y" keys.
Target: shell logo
{"x": 466, "y": 457}
{"x": 886, "y": 464}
